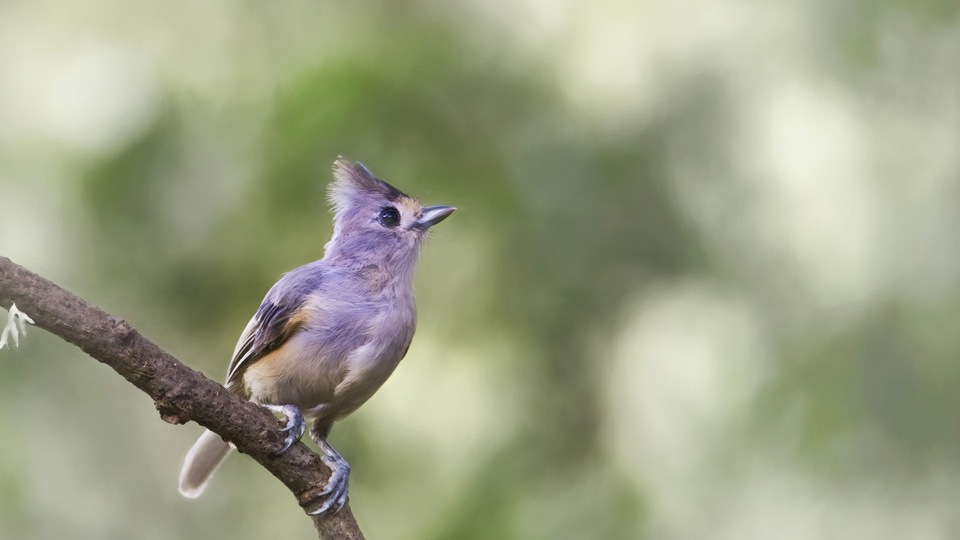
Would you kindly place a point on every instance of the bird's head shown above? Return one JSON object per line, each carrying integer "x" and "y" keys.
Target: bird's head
{"x": 375, "y": 223}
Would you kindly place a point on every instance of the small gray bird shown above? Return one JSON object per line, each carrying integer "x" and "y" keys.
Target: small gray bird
{"x": 329, "y": 333}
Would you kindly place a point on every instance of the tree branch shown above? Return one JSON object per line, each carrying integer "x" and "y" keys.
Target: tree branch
{"x": 179, "y": 393}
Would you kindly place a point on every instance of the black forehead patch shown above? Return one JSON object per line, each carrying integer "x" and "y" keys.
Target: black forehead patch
{"x": 391, "y": 193}
{"x": 354, "y": 178}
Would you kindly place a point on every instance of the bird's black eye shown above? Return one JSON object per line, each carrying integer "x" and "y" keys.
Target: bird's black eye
{"x": 389, "y": 217}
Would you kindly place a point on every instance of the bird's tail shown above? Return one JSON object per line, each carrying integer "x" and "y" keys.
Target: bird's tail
{"x": 208, "y": 452}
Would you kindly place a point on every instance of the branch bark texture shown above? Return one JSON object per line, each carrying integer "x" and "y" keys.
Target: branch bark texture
{"x": 179, "y": 393}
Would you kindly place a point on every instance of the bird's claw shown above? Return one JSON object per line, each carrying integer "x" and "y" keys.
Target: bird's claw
{"x": 295, "y": 423}
{"x": 337, "y": 488}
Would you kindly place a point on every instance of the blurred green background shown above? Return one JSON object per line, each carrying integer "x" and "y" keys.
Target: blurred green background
{"x": 704, "y": 281}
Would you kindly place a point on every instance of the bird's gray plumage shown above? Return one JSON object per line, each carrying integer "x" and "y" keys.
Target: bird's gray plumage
{"x": 329, "y": 333}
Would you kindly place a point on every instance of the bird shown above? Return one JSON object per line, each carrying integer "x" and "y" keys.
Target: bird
{"x": 329, "y": 333}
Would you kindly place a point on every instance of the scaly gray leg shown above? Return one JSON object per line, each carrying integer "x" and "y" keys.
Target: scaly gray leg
{"x": 337, "y": 486}
{"x": 295, "y": 423}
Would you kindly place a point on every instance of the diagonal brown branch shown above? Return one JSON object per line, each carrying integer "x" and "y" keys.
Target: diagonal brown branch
{"x": 179, "y": 393}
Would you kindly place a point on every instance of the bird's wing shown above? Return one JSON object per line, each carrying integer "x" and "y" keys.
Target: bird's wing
{"x": 274, "y": 322}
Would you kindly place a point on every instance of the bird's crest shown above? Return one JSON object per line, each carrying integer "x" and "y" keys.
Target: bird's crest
{"x": 353, "y": 185}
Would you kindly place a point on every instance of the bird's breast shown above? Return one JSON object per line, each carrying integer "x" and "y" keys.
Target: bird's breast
{"x": 367, "y": 367}
{"x": 337, "y": 359}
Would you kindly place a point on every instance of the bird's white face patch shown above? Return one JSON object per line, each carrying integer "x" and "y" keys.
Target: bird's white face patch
{"x": 410, "y": 212}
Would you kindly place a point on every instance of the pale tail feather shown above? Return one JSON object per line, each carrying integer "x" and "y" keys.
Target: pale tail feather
{"x": 208, "y": 452}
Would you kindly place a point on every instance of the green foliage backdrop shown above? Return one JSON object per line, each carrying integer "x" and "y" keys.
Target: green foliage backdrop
{"x": 703, "y": 282}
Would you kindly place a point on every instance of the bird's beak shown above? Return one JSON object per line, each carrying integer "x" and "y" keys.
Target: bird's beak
{"x": 433, "y": 215}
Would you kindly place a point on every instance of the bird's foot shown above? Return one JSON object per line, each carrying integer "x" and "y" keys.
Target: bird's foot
{"x": 295, "y": 423}
{"x": 337, "y": 488}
